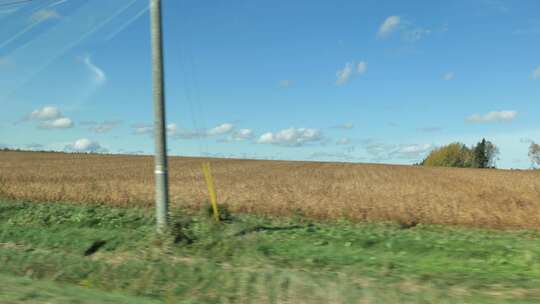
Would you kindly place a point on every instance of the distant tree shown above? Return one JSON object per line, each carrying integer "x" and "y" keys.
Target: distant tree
{"x": 491, "y": 152}
{"x": 480, "y": 158}
{"x": 534, "y": 154}
{"x": 482, "y": 155}
{"x": 485, "y": 154}
{"x": 452, "y": 155}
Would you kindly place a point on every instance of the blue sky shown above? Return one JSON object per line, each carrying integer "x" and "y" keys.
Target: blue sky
{"x": 361, "y": 81}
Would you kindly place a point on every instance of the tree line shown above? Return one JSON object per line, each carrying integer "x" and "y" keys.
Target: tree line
{"x": 482, "y": 155}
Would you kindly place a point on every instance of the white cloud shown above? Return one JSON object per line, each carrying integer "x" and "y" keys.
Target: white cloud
{"x": 85, "y": 145}
{"x": 536, "y": 73}
{"x": 343, "y": 141}
{"x": 99, "y": 74}
{"x": 43, "y": 15}
{"x": 242, "y": 134}
{"x": 50, "y": 117}
{"x": 172, "y": 128}
{"x": 415, "y": 150}
{"x": 349, "y": 70}
{"x": 46, "y": 113}
{"x": 59, "y": 123}
{"x": 409, "y": 32}
{"x": 494, "y": 116}
{"x": 448, "y": 76}
{"x": 388, "y": 26}
{"x": 221, "y": 129}
{"x": 292, "y": 137}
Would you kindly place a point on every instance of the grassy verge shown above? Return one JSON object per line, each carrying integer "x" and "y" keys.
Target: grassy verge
{"x": 251, "y": 259}
{"x": 24, "y": 290}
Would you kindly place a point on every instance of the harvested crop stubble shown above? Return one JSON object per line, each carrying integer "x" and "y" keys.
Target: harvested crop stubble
{"x": 372, "y": 192}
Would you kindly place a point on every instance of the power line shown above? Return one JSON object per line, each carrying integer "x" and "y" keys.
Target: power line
{"x": 14, "y": 3}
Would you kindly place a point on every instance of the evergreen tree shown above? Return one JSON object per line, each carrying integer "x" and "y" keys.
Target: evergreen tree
{"x": 480, "y": 159}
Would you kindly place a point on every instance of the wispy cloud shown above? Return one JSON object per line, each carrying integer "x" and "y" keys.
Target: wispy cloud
{"x": 408, "y": 30}
{"x": 291, "y": 137}
{"x": 389, "y": 25}
{"x": 497, "y": 5}
{"x": 101, "y": 127}
{"x": 7, "y": 11}
{"x": 44, "y": 15}
{"x": 285, "y": 83}
{"x": 415, "y": 34}
{"x": 381, "y": 151}
{"x": 361, "y": 67}
{"x": 413, "y": 151}
{"x": 177, "y": 132}
{"x": 430, "y": 129}
{"x": 536, "y": 73}
{"x": 98, "y": 73}
{"x": 57, "y": 3}
{"x": 128, "y": 22}
{"x": 350, "y": 69}
{"x": 142, "y": 129}
{"x": 344, "y": 74}
{"x": 240, "y": 135}
{"x": 347, "y": 125}
{"x": 85, "y": 145}
{"x": 334, "y": 156}
{"x": 35, "y": 146}
{"x": 494, "y": 116}
{"x": 448, "y": 76}
{"x": 343, "y": 141}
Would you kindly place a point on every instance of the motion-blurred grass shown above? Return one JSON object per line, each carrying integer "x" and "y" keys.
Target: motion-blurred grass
{"x": 250, "y": 259}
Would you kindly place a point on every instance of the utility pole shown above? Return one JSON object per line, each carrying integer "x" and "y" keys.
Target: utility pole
{"x": 161, "y": 174}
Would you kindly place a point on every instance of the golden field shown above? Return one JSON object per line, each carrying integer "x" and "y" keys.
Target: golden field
{"x": 361, "y": 192}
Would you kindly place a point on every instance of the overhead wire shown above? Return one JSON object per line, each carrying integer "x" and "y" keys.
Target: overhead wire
{"x": 14, "y": 3}
{"x": 192, "y": 96}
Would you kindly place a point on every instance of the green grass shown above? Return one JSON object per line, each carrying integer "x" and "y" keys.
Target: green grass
{"x": 24, "y": 290}
{"x": 256, "y": 260}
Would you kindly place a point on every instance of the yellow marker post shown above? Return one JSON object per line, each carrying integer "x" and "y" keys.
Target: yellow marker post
{"x": 211, "y": 191}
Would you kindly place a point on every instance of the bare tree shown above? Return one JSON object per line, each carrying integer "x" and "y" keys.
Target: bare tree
{"x": 534, "y": 154}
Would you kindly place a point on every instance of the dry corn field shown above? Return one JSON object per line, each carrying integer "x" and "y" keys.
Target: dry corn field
{"x": 360, "y": 192}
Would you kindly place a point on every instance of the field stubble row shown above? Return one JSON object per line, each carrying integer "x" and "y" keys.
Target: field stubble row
{"x": 360, "y": 192}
